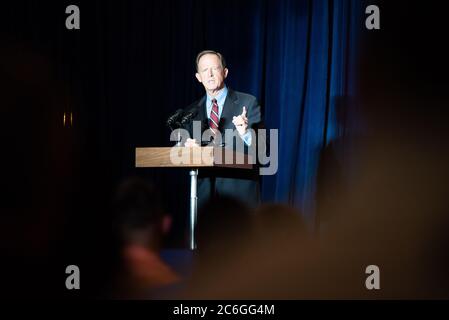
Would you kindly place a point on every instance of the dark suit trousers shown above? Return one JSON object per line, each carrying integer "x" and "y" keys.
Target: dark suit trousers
{"x": 240, "y": 184}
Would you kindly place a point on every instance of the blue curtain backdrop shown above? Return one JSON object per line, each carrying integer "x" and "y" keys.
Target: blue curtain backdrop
{"x": 132, "y": 64}
{"x": 311, "y": 54}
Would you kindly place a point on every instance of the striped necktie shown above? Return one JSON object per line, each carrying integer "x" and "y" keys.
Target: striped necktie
{"x": 214, "y": 118}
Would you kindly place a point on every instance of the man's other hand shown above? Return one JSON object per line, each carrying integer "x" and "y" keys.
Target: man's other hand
{"x": 191, "y": 143}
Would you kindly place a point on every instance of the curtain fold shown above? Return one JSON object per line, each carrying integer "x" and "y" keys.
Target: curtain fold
{"x": 312, "y": 53}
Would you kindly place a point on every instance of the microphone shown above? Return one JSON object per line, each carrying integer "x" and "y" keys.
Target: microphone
{"x": 175, "y": 118}
{"x": 180, "y": 118}
{"x": 189, "y": 115}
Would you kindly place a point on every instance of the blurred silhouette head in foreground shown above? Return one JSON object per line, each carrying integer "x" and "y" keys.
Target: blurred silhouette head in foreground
{"x": 140, "y": 225}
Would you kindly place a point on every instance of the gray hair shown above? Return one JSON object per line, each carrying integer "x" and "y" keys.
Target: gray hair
{"x": 204, "y": 52}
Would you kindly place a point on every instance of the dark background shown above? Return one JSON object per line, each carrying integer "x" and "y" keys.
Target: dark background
{"x": 132, "y": 64}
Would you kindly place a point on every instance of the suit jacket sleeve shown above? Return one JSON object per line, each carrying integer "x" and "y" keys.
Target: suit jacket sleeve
{"x": 255, "y": 123}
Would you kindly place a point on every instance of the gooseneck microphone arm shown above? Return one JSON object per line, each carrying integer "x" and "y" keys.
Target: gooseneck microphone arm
{"x": 174, "y": 121}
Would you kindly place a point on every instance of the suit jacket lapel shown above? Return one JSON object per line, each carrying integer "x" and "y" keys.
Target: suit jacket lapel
{"x": 230, "y": 109}
{"x": 201, "y": 107}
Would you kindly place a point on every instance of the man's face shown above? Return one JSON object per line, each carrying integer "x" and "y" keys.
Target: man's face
{"x": 211, "y": 73}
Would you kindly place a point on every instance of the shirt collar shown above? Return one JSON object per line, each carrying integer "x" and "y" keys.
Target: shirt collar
{"x": 220, "y": 97}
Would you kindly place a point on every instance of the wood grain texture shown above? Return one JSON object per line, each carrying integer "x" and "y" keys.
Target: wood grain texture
{"x": 195, "y": 157}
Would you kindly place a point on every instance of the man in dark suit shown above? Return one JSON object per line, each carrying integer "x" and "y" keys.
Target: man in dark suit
{"x": 220, "y": 109}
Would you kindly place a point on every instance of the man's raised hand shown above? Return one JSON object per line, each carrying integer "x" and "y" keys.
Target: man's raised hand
{"x": 241, "y": 122}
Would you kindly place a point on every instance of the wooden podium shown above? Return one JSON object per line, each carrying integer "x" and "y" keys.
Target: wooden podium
{"x": 192, "y": 158}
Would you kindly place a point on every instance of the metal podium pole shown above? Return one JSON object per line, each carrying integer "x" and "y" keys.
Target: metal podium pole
{"x": 193, "y": 206}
